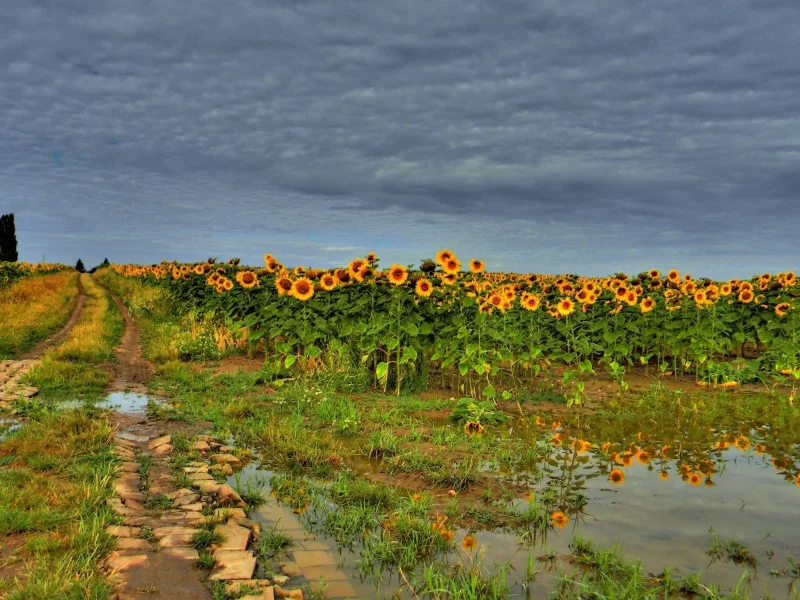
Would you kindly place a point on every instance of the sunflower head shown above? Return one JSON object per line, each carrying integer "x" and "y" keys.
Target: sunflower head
{"x": 398, "y": 274}
{"x": 476, "y": 266}
{"x": 284, "y": 285}
{"x": 616, "y": 476}
{"x": 565, "y": 307}
{"x": 302, "y": 289}
{"x": 444, "y": 255}
{"x": 327, "y": 282}
{"x": 423, "y": 287}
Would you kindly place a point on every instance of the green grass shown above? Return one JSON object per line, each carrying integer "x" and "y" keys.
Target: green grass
{"x": 53, "y": 492}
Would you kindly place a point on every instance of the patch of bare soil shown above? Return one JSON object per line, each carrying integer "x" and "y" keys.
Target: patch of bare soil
{"x": 131, "y": 371}
{"x": 12, "y": 563}
{"x": 247, "y": 364}
{"x": 62, "y": 333}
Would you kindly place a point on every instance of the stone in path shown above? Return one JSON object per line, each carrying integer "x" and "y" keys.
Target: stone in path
{"x": 233, "y": 564}
{"x": 234, "y": 537}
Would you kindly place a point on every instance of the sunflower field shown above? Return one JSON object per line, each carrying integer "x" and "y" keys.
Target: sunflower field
{"x": 492, "y": 334}
{"x": 11, "y": 272}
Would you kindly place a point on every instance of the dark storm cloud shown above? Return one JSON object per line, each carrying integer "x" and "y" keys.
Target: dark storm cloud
{"x": 542, "y": 136}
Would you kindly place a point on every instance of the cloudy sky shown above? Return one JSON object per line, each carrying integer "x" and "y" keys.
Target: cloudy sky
{"x": 547, "y": 136}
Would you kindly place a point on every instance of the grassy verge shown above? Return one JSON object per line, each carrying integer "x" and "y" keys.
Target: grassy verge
{"x": 34, "y": 308}
{"x": 74, "y": 367}
{"x": 55, "y": 475}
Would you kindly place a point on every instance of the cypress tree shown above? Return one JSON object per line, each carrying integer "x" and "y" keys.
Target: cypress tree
{"x": 79, "y": 266}
{"x": 8, "y": 239}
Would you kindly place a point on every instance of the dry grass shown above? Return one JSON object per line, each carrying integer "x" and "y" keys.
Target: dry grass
{"x": 73, "y": 368}
{"x": 33, "y": 308}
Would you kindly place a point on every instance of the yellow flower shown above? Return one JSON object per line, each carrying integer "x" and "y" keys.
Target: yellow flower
{"x": 423, "y": 287}
{"x": 398, "y": 274}
{"x": 302, "y": 289}
{"x": 475, "y": 265}
{"x": 565, "y": 307}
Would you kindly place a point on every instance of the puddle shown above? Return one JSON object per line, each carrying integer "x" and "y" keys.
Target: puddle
{"x": 8, "y": 426}
{"x": 688, "y": 464}
{"x": 126, "y": 402}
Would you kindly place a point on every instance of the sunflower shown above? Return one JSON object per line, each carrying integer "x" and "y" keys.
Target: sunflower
{"x": 371, "y": 258}
{"x": 616, "y": 476}
{"x": 247, "y": 279}
{"x": 444, "y": 255}
{"x": 449, "y": 279}
{"x": 423, "y": 287}
{"x": 327, "y": 282}
{"x": 565, "y": 307}
{"x": 620, "y": 293}
{"x": 559, "y": 519}
{"x": 469, "y": 543}
{"x": 580, "y": 446}
{"x": 198, "y": 270}
{"x": 745, "y": 296}
{"x": 654, "y": 273}
{"x": 695, "y": 479}
{"x": 228, "y": 285}
{"x": 643, "y": 457}
{"x": 674, "y": 276}
{"x": 473, "y": 428}
{"x": 302, "y": 289}
{"x": 789, "y": 278}
{"x": 475, "y": 265}
{"x": 531, "y": 303}
{"x": 398, "y": 274}
{"x": 354, "y": 268}
{"x": 343, "y": 276}
{"x": 725, "y": 289}
{"x": 452, "y": 265}
{"x": 631, "y": 298}
{"x": 284, "y": 285}
{"x": 782, "y": 309}
{"x": 700, "y": 298}
{"x": 647, "y": 305}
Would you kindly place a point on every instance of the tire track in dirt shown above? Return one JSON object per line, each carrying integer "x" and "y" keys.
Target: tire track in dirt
{"x": 61, "y": 334}
{"x": 131, "y": 371}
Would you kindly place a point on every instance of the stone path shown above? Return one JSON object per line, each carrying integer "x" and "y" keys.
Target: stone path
{"x": 11, "y": 372}
{"x": 155, "y": 558}
{"x": 309, "y": 557}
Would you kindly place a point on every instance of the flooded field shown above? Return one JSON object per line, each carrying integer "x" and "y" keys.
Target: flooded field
{"x": 701, "y": 485}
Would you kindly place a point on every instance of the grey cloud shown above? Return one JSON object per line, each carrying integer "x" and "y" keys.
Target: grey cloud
{"x": 590, "y": 136}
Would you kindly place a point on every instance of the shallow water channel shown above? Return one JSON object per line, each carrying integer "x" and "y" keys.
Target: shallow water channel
{"x": 687, "y": 466}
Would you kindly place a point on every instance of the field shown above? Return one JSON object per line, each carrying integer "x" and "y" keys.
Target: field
{"x": 431, "y": 432}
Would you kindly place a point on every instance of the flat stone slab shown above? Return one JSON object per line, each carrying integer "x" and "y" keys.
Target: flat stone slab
{"x": 313, "y": 558}
{"x": 122, "y": 564}
{"x": 326, "y": 573}
{"x": 129, "y": 544}
{"x": 159, "y": 441}
{"x": 290, "y": 569}
{"x": 235, "y": 537}
{"x": 335, "y": 589}
{"x": 122, "y": 531}
{"x": 160, "y": 532}
{"x": 233, "y": 564}
{"x": 176, "y": 540}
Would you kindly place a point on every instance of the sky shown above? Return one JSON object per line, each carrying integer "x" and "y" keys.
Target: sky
{"x": 548, "y": 136}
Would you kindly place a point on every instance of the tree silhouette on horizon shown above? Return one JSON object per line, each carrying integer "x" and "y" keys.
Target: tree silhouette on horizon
{"x": 8, "y": 239}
